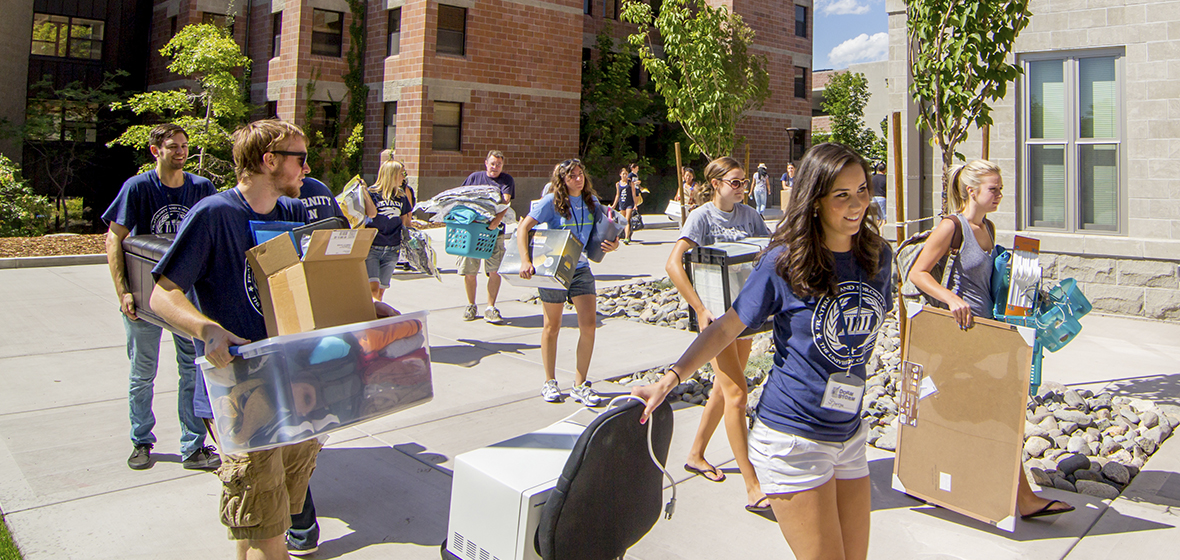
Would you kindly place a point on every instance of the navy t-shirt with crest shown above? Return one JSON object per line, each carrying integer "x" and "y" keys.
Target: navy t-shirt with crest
{"x": 145, "y": 205}
{"x": 813, "y": 339}
{"x": 319, "y": 201}
{"x": 208, "y": 262}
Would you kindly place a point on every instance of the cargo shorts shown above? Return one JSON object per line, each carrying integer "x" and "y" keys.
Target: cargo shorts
{"x": 260, "y": 490}
{"x": 468, "y": 266}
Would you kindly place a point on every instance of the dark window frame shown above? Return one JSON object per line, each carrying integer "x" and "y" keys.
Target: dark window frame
{"x": 434, "y": 143}
{"x": 801, "y": 82}
{"x": 328, "y": 42}
{"x": 389, "y": 126}
{"x": 67, "y": 46}
{"x": 800, "y": 23}
{"x": 276, "y": 34}
{"x": 220, "y": 20}
{"x": 452, "y": 33}
{"x": 394, "y": 33}
{"x": 66, "y": 128}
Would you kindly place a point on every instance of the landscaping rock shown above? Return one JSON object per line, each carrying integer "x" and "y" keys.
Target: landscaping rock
{"x": 1073, "y": 463}
{"x": 1097, "y": 489}
{"x": 1116, "y": 472}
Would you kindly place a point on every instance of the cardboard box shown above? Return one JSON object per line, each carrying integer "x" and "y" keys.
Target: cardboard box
{"x": 784, "y": 199}
{"x": 328, "y": 287}
{"x": 555, "y": 254}
{"x": 962, "y": 414}
{"x": 718, "y": 272}
{"x": 292, "y": 388}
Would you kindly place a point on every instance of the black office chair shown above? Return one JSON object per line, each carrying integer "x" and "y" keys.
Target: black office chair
{"x": 609, "y": 494}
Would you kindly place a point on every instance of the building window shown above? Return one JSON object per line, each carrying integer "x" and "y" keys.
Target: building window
{"x": 219, "y": 20}
{"x": 395, "y": 32}
{"x": 327, "y": 32}
{"x": 276, "y": 34}
{"x": 389, "y": 140}
{"x": 326, "y": 121}
{"x": 1073, "y": 142}
{"x": 801, "y": 82}
{"x": 67, "y": 37}
{"x": 448, "y": 124}
{"x": 172, "y": 26}
{"x": 452, "y": 30}
{"x": 800, "y": 21}
{"x": 588, "y": 7}
{"x": 610, "y": 8}
{"x": 272, "y": 109}
{"x": 63, "y": 120}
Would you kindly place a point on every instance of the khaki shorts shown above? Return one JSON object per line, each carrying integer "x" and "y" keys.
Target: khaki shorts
{"x": 261, "y": 490}
{"x": 468, "y": 265}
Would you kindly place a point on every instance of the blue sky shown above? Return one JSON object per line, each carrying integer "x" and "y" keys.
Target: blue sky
{"x": 848, "y": 32}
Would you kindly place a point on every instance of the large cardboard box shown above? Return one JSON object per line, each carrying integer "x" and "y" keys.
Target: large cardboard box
{"x": 555, "y": 254}
{"x": 961, "y": 414}
{"x": 326, "y": 288}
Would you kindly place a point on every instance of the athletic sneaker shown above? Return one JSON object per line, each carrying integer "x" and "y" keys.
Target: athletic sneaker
{"x": 141, "y": 457}
{"x": 300, "y": 549}
{"x": 492, "y": 315}
{"x": 550, "y": 392}
{"x": 203, "y": 459}
{"x": 585, "y": 395}
{"x": 469, "y": 313}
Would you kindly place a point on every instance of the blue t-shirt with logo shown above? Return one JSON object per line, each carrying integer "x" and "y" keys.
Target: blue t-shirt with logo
{"x": 813, "y": 339}
{"x": 388, "y": 220}
{"x": 145, "y": 205}
{"x": 208, "y": 261}
{"x": 503, "y": 181}
{"x": 319, "y": 201}
{"x": 580, "y": 222}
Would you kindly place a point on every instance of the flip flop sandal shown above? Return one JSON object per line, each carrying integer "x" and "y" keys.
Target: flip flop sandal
{"x": 1045, "y": 511}
{"x": 706, "y": 472}
{"x": 760, "y": 507}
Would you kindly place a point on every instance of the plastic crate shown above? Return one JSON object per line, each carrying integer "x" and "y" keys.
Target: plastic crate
{"x": 292, "y": 388}
{"x": 468, "y": 237}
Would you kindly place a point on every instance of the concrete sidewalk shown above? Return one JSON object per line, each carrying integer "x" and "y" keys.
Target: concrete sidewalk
{"x": 382, "y": 488}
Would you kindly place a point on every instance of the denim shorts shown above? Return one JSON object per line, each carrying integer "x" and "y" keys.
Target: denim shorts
{"x": 581, "y": 284}
{"x": 787, "y": 463}
{"x": 381, "y": 262}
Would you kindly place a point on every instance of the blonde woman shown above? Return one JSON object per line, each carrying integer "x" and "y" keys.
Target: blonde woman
{"x": 393, "y": 214}
{"x": 976, "y": 190}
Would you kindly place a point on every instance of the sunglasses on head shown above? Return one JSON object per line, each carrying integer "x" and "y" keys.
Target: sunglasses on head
{"x": 301, "y": 155}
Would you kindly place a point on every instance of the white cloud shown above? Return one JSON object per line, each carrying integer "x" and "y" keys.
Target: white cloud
{"x": 842, "y": 7}
{"x": 861, "y": 48}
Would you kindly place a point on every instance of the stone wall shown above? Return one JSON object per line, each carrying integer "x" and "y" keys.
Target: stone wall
{"x": 1138, "y": 287}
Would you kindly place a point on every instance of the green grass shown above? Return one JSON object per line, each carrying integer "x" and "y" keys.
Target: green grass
{"x": 8, "y": 550}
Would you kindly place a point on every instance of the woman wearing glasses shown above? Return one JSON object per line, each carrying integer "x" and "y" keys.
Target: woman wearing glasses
{"x": 393, "y": 214}
{"x": 721, "y": 217}
{"x": 825, "y": 283}
{"x": 573, "y": 205}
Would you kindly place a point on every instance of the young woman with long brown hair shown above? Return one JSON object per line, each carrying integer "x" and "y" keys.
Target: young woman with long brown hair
{"x": 825, "y": 283}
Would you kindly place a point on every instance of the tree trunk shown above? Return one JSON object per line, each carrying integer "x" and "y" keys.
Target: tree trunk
{"x": 208, "y": 115}
{"x": 948, "y": 163}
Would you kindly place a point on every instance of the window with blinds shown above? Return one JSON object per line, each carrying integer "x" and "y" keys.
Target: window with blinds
{"x": 1072, "y": 142}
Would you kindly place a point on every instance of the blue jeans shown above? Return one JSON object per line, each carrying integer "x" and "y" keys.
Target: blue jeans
{"x": 760, "y": 200}
{"x": 304, "y": 528}
{"x": 143, "y": 349}
{"x": 880, "y": 202}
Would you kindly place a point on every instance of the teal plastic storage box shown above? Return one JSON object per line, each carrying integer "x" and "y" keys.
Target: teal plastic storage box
{"x": 291, "y": 388}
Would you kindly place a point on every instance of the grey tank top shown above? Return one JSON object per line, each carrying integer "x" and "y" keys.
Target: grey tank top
{"x": 972, "y": 272}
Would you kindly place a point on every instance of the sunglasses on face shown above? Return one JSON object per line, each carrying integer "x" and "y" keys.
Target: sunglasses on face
{"x": 301, "y": 155}
{"x": 740, "y": 184}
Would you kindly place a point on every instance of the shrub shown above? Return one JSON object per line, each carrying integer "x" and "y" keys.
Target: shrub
{"x": 23, "y": 213}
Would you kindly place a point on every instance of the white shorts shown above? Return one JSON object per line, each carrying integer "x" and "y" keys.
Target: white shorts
{"x": 788, "y": 463}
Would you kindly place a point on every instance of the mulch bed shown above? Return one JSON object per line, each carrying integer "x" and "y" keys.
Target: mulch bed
{"x": 52, "y": 245}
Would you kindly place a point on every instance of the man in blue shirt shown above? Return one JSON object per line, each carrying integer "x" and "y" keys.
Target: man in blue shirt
{"x": 260, "y": 490}
{"x": 155, "y": 202}
{"x": 469, "y": 267}
{"x": 319, "y": 201}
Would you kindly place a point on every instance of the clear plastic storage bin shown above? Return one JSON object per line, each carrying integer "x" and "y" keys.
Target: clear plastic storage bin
{"x": 292, "y": 388}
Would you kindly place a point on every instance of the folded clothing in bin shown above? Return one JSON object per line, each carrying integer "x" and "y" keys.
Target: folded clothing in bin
{"x": 291, "y": 388}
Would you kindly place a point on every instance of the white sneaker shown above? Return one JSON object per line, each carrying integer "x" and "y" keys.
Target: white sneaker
{"x": 585, "y": 395}
{"x": 492, "y": 315}
{"x": 550, "y": 392}
{"x": 469, "y": 313}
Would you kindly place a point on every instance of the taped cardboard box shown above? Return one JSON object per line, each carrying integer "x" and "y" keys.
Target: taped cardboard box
{"x": 328, "y": 287}
{"x": 555, "y": 254}
{"x": 961, "y": 419}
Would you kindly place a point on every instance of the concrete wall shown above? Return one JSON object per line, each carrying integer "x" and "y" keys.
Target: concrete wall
{"x": 1133, "y": 271}
{"x": 16, "y": 35}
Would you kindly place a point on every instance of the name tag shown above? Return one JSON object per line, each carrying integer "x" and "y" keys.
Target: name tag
{"x": 843, "y": 393}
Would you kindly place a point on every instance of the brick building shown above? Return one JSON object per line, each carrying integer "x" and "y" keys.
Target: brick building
{"x": 449, "y": 81}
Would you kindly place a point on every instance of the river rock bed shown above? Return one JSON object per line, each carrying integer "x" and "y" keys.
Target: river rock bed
{"x": 1076, "y": 440}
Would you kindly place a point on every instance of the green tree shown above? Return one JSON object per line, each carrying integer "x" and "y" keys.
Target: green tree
{"x": 845, "y": 97}
{"x": 705, "y": 72}
{"x": 959, "y": 62}
{"x": 208, "y": 55}
{"x": 22, "y": 212}
{"x": 613, "y": 112}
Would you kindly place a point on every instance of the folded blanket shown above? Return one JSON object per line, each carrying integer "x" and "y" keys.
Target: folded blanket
{"x": 406, "y": 370}
{"x": 399, "y": 348}
{"x": 376, "y": 339}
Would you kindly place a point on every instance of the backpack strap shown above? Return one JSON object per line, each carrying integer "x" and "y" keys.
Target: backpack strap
{"x": 957, "y": 236}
